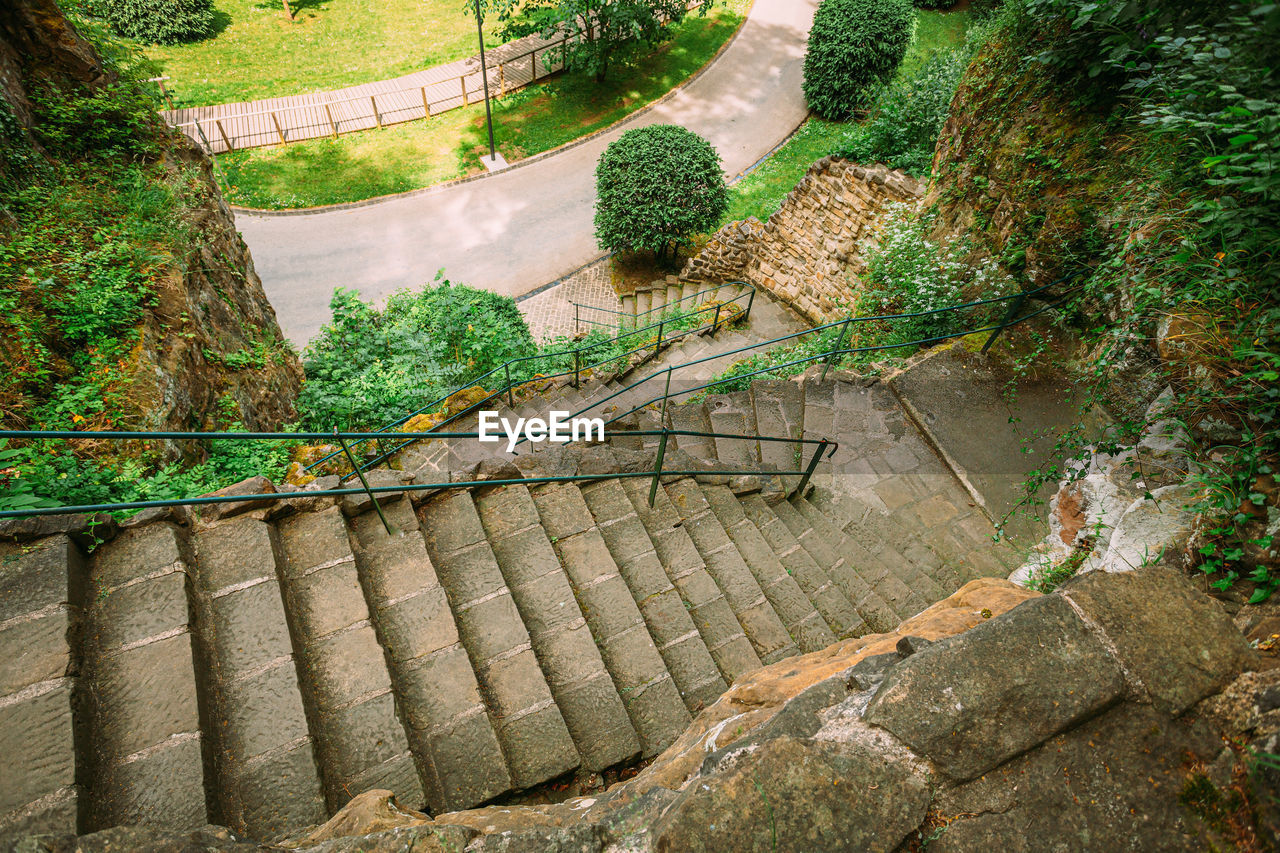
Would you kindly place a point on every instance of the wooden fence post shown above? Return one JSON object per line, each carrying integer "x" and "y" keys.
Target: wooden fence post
{"x": 463, "y": 81}
{"x": 373, "y": 99}
{"x": 328, "y": 112}
{"x": 502, "y": 79}
{"x": 533, "y": 66}
{"x": 426, "y": 105}
{"x": 280, "y": 132}
{"x": 226, "y": 139}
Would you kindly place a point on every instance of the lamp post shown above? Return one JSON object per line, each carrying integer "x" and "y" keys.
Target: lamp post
{"x": 484, "y": 77}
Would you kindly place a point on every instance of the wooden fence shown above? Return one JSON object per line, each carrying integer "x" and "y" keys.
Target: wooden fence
{"x": 279, "y": 121}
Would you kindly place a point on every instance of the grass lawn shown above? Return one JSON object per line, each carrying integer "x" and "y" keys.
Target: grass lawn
{"x": 761, "y": 192}
{"x": 259, "y": 53}
{"x": 418, "y": 154}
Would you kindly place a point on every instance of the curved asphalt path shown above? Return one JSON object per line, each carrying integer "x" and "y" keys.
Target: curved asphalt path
{"x": 516, "y": 230}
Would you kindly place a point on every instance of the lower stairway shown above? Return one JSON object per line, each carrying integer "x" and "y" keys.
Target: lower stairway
{"x": 258, "y": 665}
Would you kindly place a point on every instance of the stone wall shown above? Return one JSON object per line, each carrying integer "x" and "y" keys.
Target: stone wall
{"x": 807, "y": 250}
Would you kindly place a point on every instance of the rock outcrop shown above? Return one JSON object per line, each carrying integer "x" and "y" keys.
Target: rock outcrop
{"x": 207, "y": 344}
{"x": 1089, "y": 719}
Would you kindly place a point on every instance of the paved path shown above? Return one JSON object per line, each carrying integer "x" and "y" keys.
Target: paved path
{"x": 516, "y": 230}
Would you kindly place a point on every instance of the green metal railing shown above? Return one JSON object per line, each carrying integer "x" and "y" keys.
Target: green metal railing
{"x": 1011, "y": 317}
{"x": 823, "y": 448}
{"x": 579, "y": 356}
{"x": 831, "y": 356}
{"x": 748, "y": 290}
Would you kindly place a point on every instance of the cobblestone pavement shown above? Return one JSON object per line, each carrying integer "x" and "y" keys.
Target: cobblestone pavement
{"x": 550, "y": 313}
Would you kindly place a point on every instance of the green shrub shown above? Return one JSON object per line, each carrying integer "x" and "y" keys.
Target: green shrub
{"x": 908, "y": 115}
{"x": 159, "y": 21}
{"x": 368, "y": 367}
{"x": 908, "y": 273}
{"x": 853, "y": 46}
{"x": 655, "y": 186}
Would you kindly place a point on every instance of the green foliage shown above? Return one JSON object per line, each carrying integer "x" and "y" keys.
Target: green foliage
{"x": 368, "y": 367}
{"x": 655, "y": 186}
{"x": 64, "y": 479}
{"x": 854, "y": 45}
{"x": 157, "y": 21}
{"x": 908, "y": 115}
{"x": 908, "y": 273}
{"x": 1188, "y": 91}
{"x": 601, "y": 33}
{"x": 113, "y": 122}
{"x": 16, "y": 489}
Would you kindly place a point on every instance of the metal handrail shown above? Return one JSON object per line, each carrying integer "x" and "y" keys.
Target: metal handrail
{"x": 825, "y": 448}
{"x": 831, "y": 355}
{"x": 807, "y": 359}
{"x": 510, "y": 386}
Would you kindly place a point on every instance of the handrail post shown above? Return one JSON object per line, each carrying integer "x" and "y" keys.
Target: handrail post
{"x": 359, "y": 473}
{"x": 1014, "y": 308}
{"x": 666, "y": 395}
{"x": 831, "y": 357}
{"x": 657, "y": 467}
{"x": 750, "y": 301}
{"x": 715, "y": 325}
{"x": 577, "y": 361}
{"x": 576, "y": 324}
{"x": 511, "y": 399}
{"x": 813, "y": 464}
{"x": 657, "y": 343}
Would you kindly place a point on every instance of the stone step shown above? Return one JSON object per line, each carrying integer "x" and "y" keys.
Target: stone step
{"x": 678, "y": 641}
{"x": 675, "y": 306}
{"x": 346, "y": 687}
{"x": 707, "y": 606}
{"x": 724, "y": 563}
{"x": 448, "y": 727}
{"x": 914, "y": 575}
{"x": 693, "y": 418}
{"x": 888, "y": 586}
{"x": 803, "y": 622}
{"x": 141, "y": 716}
{"x": 650, "y": 695}
{"x": 658, "y": 300}
{"x": 562, "y": 641}
{"x": 40, "y": 590}
{"x": 846, "y": 616}
{"x": 819, "y": 418}
{"x": 890, "y": 541}
{"x": 644, "y": 301}
{"x": 266, "y": 782}
{"x": 733, "y": 414}
{"x": 779, "y": 411}
{"x": 530, "y": 728}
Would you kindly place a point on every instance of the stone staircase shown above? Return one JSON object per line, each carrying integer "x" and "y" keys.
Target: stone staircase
{"x": 259, "y": 665}
{"x": 603, "y": 395}
{"x": 670, "y": 297}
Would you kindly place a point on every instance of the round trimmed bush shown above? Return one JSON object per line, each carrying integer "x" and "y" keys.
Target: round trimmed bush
{"x": 655, "y": 186}
{"x": 854, "y": 46}
{"x": 158, "y": 21}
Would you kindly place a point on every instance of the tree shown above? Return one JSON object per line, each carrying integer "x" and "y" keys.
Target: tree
{"x": 655, "y": 186}
{"x": 854, "y": 45}
{"x": 600, "y": 32}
